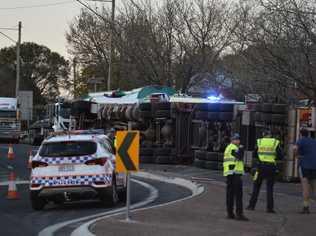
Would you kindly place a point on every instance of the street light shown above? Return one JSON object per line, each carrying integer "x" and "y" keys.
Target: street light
{"x": 111, "y": 33}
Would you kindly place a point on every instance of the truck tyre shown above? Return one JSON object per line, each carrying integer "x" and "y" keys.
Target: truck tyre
{"x": 162, "y": 114}
{"x": 220, "y": 157}
{"x": 212, "y": 116}
{"x": 279, "y": 108}
{"x": 278, "y": 119}
{"x": 201, "y": 115}
{"x": 220, "y": 166}
{"x": 226, "y": 116}
{"x": 145, "y": 114}
{"x": 146, "y": 151}
{"x": 164, "y": 160}
{"x": 162, "y": 151}
{"x": 257, "y": 107}
{"x": 258, "y": 116}
{"x": 212, "y": 165}
{"x": 266, "y": 107}
{"x": 37, "y": 202}
{"x": 200, "y": 155}
{"x": 145, "y": 106}
{"x": 201, "y": 107}
{"x": 214, "y": 107}
{"x": 265, "y": 117}
{"x": 226, "y": 107}
{"x": 198, "y": 163}
{"x": 162, "y": 106}
{"x": 211, "y": 156}
{"x": 147, "y": 159}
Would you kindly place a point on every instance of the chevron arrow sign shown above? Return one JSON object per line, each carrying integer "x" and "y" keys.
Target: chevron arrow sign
{"x": 127, "y": 151}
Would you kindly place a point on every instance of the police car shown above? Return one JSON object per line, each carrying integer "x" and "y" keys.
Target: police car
{"x": 73, "y": 166}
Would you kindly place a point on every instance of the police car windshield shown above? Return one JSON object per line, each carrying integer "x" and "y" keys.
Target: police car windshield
{"x": 69, "y": 148}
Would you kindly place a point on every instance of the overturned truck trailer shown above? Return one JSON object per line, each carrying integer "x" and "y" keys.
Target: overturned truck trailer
{"x": 174, "y": 128}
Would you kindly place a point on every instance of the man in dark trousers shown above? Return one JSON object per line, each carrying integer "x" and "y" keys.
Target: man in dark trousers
{"x": 305, "y": 148}
{"x": 267, "y": 151}
{"x": 233, "y": 170}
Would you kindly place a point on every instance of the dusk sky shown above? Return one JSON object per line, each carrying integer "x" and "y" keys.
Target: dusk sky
{"x": 44, "y": 25}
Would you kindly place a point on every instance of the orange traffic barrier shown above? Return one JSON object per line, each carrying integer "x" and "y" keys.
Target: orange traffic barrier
{"x": 10, "y": 152}
{"x": 29, "y": 163}
{"x": 12, "y": 190}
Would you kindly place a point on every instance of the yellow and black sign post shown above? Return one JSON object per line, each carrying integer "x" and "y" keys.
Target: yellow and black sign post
{"x": 127, "y": 158}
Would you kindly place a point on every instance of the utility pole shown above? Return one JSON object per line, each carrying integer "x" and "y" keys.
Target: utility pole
{"x": 74, "y": 64}
{"x": 111, "y": 33}
{"x": 18, "y": 44}
{"x": 111, "y": 46}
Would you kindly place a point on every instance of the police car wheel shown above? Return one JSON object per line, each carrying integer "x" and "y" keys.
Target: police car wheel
{"x": 37, "y": 202}
{"x": 109, "y": 195}
{"x": 122, "y": 194}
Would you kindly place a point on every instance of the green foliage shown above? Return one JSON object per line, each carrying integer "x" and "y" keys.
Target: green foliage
{"x": 42, "y": 71}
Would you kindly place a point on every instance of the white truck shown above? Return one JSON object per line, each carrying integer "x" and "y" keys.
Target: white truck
{"x": 10, "y": 124}
{"x": 59, "y": 115}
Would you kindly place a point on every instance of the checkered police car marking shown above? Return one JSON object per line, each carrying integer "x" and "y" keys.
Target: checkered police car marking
{"x": 66, "y": 160}
{"x": 51, "y": 176}
{"x": 49, "y": 181}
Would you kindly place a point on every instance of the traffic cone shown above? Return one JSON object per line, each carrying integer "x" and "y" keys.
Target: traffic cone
{"x": 12, "y": 191}
{"x": 10, "y": 152}
{"x": 29, "y": 163}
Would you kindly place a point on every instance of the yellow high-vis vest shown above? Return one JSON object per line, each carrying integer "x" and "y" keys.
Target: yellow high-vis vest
{"x": 229, "y": 160}
{"x": 267, "y": 149}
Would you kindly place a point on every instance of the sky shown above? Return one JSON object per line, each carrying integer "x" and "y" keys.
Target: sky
{"x": 44, "y": 25}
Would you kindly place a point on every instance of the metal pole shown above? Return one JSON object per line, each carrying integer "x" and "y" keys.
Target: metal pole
{"x": 18, "y": 44}
{"x": 111, "y": 46}
{"x": 74, "y": 63}
{"x": 128, "y": 197}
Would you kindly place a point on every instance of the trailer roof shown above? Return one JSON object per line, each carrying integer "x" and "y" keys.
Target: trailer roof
{"x": 139, "y": 95}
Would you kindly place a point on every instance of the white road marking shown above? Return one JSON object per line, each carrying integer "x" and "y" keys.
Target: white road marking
{"x": 153, "y": 195}
{"x": 195, "y": 188}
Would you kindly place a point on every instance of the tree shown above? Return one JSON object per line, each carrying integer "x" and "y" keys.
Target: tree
{"x": 276, "y": 47}
{"x": 42, "y": 71}
{"x": 156, "y": 42}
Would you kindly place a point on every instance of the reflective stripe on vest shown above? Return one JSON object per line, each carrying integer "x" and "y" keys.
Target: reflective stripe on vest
{"x": 267, "y": 149}
{"x": 229, "y": 160}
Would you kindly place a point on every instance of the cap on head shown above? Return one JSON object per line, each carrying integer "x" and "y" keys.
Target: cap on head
{"x": 235, "y": 136}
{"x": 266, "y": 133}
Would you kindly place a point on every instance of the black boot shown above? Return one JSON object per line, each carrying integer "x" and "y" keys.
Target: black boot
{"x": 305, "y": 210}
{"x": 230, "y": 216}
{"x": 242, "y": 218}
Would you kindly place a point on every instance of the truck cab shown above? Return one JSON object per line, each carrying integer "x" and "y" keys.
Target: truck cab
{"x": 10, "y": 125}
{"x": 59, "y": 114}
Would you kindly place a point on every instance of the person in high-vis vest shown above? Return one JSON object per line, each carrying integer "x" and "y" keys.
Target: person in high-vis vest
{"x": 268, "y": 151}
{"x": 233, "y": 170}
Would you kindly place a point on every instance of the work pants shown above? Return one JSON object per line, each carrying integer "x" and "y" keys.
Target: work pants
{"x": 234, "y": 193}
{"x": 265, "y": 172}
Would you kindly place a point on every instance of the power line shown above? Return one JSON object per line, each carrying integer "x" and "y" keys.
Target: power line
{"x": 92, "y": 10}
{"x": 36, "y": 6}
{"x": 8, "y": 28}
{"x": 8, "y": 37}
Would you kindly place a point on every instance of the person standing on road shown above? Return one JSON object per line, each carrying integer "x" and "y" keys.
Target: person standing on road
{"x": 305, "y": 148}
{"x": 267, "y": 151}
{"x": 233, "y": 170}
